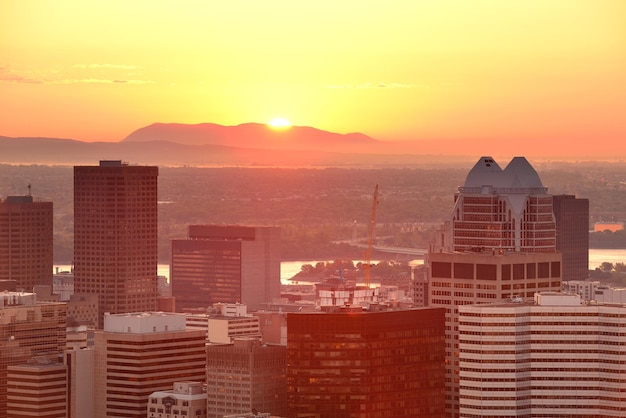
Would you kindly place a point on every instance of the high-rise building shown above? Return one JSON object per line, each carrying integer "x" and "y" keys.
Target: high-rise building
{"x": 115, "y": 236}
{"x": 37, "y": 389}
{"x": 572, "y": 235}
{"x": 551, "y": 357}
{"x": 499, "y": 243}
{"x": 245, "y": 376}
{"x": 367, "y": 364}
{"x": 26, "y": 242}
{"x": 505, "y": 210}
{"x": 141, "y": 353}
{"x": 227, "y": 264}
{"x": 27, "y": 329}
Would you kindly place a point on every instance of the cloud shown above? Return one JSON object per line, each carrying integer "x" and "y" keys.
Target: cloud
{"x": 373, "y": 86}
{"x": 8, "y": 75}
{"x": 107, "y": 66}
{"x": 101, "y": 81}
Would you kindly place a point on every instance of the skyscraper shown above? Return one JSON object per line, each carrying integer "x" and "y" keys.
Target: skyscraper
{"x": 499, "y": 242}
{"x": 115, "y": 235}
{"x": 366, "y": 364}
{"x": 227, "y": 264}
{"x": 505, "y": 210}
{"x": 26, "y": 242}
{"x": 572, "y": 235}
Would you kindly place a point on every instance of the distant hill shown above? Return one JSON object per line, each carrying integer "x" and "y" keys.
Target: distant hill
{"x": 208, "y": 144}
{"x": 56, "y": 151}
{"x": 257, "y": 136}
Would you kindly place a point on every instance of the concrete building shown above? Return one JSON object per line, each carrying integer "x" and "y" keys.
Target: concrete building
{"x": 354, "y": 363}
{"x": 27, "y": 329}
{"x": 81, "y": 380}
{"x": 141, "y": 353}
{"x": 115, "y": 236}
{"x": 586, "y": 289}
{"x": 606, "y": 294}
{"x": 553, "y": 357}
{"x": 26, "y": 242}
{"x": 273, "y": 327}
{"x": 232, "y": 321}
{"x": 244, "y": 376}
{"x": 186, "y": 399}
{"x": 227, "y": 264}
{"x": 572, "y": 235}
{"x": 83, "y": 309}
{"x": 37, "y": 389}
{"x": 499, "y": 243}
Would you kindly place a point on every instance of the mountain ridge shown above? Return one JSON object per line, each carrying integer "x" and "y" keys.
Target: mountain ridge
{"x": 255, "y": 135}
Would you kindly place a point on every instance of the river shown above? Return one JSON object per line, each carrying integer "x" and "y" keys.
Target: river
{"x": 288, "y": 269}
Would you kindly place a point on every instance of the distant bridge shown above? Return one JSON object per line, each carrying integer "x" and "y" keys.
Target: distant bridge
{"x": 415, "y": 252}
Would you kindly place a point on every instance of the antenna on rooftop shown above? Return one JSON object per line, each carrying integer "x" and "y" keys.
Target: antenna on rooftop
{"x": 29, "y": 189}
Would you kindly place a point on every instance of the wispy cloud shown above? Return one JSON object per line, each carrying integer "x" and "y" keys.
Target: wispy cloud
{"x": 100, "y": 81}
{"x": 107, "y": 66}
{"x": 77, "y": 74}
{"x": 9, "y": 75}
{"x": 373, "y": 86}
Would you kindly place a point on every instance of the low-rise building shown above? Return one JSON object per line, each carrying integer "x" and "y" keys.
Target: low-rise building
{"x": 185, "y": 400}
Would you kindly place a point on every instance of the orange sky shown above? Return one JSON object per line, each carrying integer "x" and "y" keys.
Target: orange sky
{"x": 549, "y": 70}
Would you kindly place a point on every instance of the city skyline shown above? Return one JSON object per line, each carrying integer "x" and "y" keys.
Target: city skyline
{"x": 536, "y": 74}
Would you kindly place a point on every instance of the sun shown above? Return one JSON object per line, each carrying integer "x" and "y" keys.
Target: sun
{"x": 279, "y": 123}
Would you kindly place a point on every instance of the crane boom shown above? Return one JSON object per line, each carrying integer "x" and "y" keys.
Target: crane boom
{"x": 370, "y": 240}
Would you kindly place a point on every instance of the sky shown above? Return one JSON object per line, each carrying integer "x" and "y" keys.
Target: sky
{"x": 549, "y": 71}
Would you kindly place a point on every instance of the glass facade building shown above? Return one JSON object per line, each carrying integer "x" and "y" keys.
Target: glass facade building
{"x": 227, "y": 264}
{"x": 366, "y": 364}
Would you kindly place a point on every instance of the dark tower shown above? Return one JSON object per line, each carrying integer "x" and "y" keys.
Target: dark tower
{"x": 572, "y": 235}
{"x": 26, "y": 242}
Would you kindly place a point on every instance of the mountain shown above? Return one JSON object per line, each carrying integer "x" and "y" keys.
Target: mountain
{"x": 251, "y": 144}
{"x": 258, "y": 136}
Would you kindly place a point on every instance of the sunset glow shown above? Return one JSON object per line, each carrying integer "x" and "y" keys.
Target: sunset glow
{"x": 547, "y": 72}
{"x": 279, "y": 123}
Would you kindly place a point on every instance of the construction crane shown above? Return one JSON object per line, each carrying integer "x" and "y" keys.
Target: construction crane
{"x": 370, "y": 240}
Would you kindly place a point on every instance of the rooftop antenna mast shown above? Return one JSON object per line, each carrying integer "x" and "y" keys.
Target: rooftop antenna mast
{"x": 29, "y": 189}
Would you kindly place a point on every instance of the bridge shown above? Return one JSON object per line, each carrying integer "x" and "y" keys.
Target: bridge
{"x": 414, "y": 252}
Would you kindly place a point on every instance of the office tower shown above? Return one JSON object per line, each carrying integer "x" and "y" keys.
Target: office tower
{"x": 186, "y": 399}
{"x": 27, "y": 329}
{"x": 552, "y": 357}
{"x": 115, "y": 236}
{"x": 499, "y": 242}
{"x": 572, "y": 235}
{"x": 141, "y": 353}
{"x": 226, "y": 264}
{"x": 355, "y": 363}
{"x": 505, "y": 210}
{"x": 245, "y": 376}
{"x": 37, "y": 389}
{"x": 26, "y": 242}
